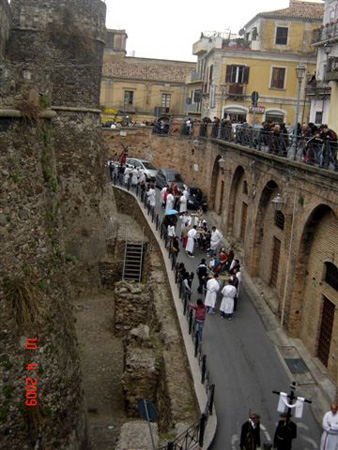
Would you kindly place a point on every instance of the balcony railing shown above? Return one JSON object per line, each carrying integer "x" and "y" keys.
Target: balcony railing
{"x": 315, "y": 152}
{"x": 196, "y": 76}
{"x": 330, "y": 31}
{"x": 317, "y": 88}
{"x": 332, "y": 69}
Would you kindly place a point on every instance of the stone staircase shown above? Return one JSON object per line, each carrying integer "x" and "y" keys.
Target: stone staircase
{"x": 133, "y": 261}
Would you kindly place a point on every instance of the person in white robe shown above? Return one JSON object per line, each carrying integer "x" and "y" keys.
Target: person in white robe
{"x": 192, "y": 235}
{"x": 170, "y": 201}
{"x": 141, "y": 176}
{"x": 211, "y": 295}
{"x": 151, "y": 195}
{"x": 126, "y": 175}
{"x": 228, "y": 301}
{"x": 163, "y": 191}
{"x": 134, "y": 176}
{"x": 215, "y": 239}
{"x": 329, "y": 440}
{"x": 183, "y": 204}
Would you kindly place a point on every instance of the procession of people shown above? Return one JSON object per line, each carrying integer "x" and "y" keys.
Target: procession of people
{"x": 219, "y": 279}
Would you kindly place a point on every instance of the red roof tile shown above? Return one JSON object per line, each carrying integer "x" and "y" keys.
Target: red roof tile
{"x": 298, "y": 10}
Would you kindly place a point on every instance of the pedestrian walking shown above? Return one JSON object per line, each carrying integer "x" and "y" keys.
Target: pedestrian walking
{"x": 329, "y": 439}
{"x": 228, "y": 301}
{"x": 170, "y": 200}
{"x": 201, "y": 272}
{"x": 211, "y": 296}
{"x": 286, "y": 431}
{"x": 151, "y": 195}
{"x": 250, "y": 433}
{"x": 200, "y": 312}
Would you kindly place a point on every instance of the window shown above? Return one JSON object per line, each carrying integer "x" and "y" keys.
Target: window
{"x": 278, "y": 77}
{"x": 319, "y": 117}
{"x": 331, "y": 275}
{"x": 281, "y": 35}
{"x": 166, "y": 98}
{"x": 237, "y": 74}
{"x": 128, "y": 97}
{"x": 245, "y": 187}
{"x": 279, "y": 219}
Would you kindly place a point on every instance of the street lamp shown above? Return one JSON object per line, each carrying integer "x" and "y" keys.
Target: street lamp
{"x": 300, "y": 72}
{"x": 278, "y": 203}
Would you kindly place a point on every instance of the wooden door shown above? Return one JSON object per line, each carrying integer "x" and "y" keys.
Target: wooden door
{"x": 275, "y": 262}
{"x": 325, "y": 334}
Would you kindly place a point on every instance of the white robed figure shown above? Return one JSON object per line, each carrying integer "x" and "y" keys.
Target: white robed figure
{"x": 215, "y": 239}
{"x": 211, "y": 296}
{"x": 329, "y": 439}
{"x": 192, "y": 235}
{"x": 134, "y": 176}
{"x": 228, "y": 300}
{"x": 127, "y": 173}
{"x": 151, "y": 194}
{"x": 141, "y": 176}
{"x": 170, "y": 202}
{"x": 183, "y": 204}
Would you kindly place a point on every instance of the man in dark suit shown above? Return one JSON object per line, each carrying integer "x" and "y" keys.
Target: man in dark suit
{"x": 250, "y": 433}
{"x": 285, "y": 432}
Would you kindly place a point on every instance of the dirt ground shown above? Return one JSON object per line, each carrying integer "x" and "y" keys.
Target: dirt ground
{"x": 102, "y": 367}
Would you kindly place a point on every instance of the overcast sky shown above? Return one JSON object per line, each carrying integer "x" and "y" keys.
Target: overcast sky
{"x": 167, "y": 29}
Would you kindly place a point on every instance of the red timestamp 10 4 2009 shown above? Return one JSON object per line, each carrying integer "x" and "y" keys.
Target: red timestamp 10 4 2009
{"x": 31, "y": 385}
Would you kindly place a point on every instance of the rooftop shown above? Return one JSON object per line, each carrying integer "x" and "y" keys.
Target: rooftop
{"x": 297, "y": 10}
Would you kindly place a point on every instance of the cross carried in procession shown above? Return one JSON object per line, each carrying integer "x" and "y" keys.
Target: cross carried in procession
{"x": 288, "y": 402}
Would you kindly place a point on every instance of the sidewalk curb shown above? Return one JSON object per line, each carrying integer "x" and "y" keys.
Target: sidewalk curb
{"x": 199, "y": 388}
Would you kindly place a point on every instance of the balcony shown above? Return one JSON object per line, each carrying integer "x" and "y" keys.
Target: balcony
{"x": 317, "y": 89}
{"x": 200, "y": 47}
{"x": 332, "y": 69}
{"x": 329, "y": 32}
{"x": 234, "y": 90}
{"x": 196, "y": 76}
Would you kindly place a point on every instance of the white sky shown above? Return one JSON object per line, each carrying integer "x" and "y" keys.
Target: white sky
{"x": 167, "y": 29}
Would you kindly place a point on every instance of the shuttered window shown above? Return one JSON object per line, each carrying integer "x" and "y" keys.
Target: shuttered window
{"x": 237, "y": 74}
{"x": 278, "y": 77}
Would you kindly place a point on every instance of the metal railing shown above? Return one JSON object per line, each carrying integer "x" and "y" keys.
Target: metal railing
{"x": 322, "y": 154}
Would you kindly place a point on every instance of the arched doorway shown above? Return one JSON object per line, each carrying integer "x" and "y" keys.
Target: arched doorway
{"x": 238, "y": 196}
{"x": 216, "y": 188}
{"x": 311, "y": 315}
{"x": 267, "y": 238}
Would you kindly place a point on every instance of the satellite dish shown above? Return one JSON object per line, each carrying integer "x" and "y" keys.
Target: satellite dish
{"x": 241, "y": 32}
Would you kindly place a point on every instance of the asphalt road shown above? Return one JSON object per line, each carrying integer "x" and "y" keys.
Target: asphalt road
{"x": 245, "y": 367}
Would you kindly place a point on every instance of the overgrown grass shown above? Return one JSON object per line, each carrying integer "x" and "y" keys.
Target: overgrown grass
{"x": 24, "y": 299}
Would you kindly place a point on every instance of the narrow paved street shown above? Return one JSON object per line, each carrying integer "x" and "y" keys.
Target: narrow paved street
{"x": 246, "y": 368}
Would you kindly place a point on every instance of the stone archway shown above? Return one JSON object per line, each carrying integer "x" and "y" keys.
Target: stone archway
{"x": 237, "y": 180}
{"x": 318, "y": 246}
{"x": 262, "y": 241}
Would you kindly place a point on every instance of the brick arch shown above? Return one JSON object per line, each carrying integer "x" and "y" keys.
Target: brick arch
{"x": 269, "y": 191}
{"x": 233, "y": 198}
{"x": 320, "y": 227}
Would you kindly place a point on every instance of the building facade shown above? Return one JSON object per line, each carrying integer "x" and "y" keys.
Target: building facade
{"x": 323, "y": 89}
{"x": 142, "y": 88}
{"x": 263, "y": 60}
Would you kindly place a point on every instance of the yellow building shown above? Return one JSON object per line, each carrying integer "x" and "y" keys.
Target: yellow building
{"x": 141, "y": 88}
{"x": 262, "y": 60}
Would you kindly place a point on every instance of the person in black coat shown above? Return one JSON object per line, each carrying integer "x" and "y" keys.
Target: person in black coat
{"x": 250, "y": 433}
{"x": 285, "y": 432}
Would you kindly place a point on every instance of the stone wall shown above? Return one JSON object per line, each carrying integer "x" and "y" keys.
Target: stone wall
{"x": 174, "y": 396}
{"x": 5, "y": 24}
{"x": 55, "y": 48}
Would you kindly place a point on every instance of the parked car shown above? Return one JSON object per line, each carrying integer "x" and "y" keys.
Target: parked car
{"x": 148, "y": 168}
{"x": 196, "y": 199}
{"x": 165, "y": 177}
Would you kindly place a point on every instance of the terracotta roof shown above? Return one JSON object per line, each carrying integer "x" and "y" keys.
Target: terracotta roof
{"x": 298, "y": 10}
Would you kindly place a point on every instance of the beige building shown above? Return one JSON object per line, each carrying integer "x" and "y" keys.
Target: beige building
{"x": 141, "y": 88}
{"x": 264, "y": 60}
